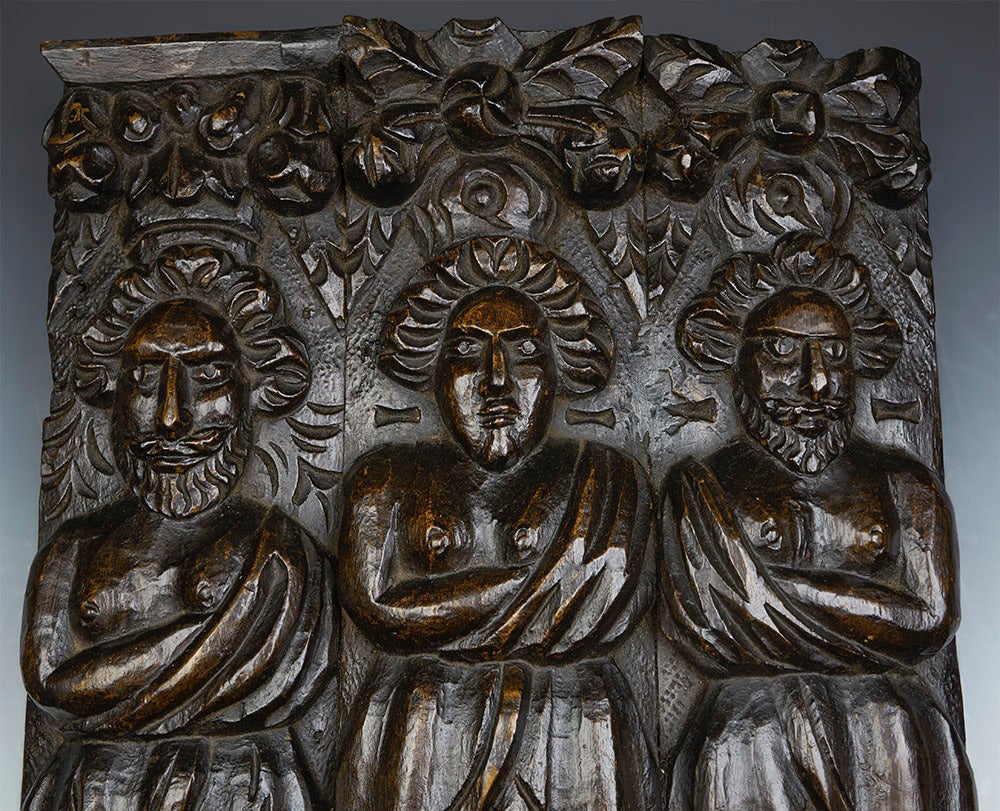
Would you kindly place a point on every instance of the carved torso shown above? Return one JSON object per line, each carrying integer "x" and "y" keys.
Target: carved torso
{"x": 451, "y": 517}
{"x": 137, "y": 577}
{"x": 842, "y": 519}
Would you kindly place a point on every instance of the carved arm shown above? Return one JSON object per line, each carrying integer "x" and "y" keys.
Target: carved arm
{"x": 916, "y": 615}
{"x": 410, "y": 613}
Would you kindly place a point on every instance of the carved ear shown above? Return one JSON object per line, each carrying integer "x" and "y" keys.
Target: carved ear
{"x": 285, "y": 374}
{"x": 708, "y": 337}
{"x": 878, "y": 342}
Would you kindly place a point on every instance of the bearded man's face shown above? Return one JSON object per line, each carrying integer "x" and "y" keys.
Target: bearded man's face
{"x": 182, "y": 410}
{"x": 795, "y": 378}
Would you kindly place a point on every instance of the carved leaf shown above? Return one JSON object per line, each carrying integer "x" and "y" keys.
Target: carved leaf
{"x": 668, "y": 235}
{"x": 905, "y": 238}
{"x": 269, "y": 465}
{"x": 389, "y": 57}
{"x": 432, "y": 226}
{"x": 622, "y": 245}
{"x": 922, "y": 250}
{"x": 586, "y": 61}
{"x": 81, "y": 238}
{"x": 690, "y": 71}
{"x": 868, "y": 151}
{"x": 872, "y": 86}
{"x": 73, "y": 461}
{"x": 337, "y": 269}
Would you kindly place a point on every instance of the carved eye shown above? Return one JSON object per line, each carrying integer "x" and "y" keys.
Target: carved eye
{"x": 210, "y": 373}
{"x": 835, "y": 350}
{"x": 780, "y": 346}
{"x": 528, "y": 348}
{"x": 465, "y": 347}
{"x": 146, "y": 377}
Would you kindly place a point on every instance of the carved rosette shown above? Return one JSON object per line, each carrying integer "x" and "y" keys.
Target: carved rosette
{"x": 189, "y": 141}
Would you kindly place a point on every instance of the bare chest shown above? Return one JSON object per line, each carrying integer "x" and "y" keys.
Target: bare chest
{"x": 121, "y": 588}
{"x": 850, "y": 531}
{"x": 437, "y": 536}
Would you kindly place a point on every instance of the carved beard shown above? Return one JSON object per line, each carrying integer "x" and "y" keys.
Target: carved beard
{"x": 196, "y": 488}
{"x": 498, "y": 448}
{"x": 803, "y": 454}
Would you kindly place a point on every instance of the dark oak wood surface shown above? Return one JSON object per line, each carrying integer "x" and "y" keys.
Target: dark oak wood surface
{"x": 481, "y": 419}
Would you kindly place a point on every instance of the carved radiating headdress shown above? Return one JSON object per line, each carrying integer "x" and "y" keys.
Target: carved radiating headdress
{"x": 581, "y": 337}
{"x": 245, "y": 297}
{"x": 710, "y": 330}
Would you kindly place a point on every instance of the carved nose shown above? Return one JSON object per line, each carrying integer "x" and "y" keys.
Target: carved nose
{"x": 817, "y": 379}
{"x": 173, "y": 416}
{"x": 496, "y": 374}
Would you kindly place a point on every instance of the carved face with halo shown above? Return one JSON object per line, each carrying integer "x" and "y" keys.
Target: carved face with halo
{"x": 795, "y": 378}
{"x": 796, "y": 360}
{"x": 182, "y": 409}
{"x": 496, "y": 326}
{"x": 184, "y": 352}
{"x": 496, "y": 376}
{"x": 796, "y": 327}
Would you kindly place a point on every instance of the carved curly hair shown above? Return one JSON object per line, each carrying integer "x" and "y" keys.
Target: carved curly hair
{"x": 411, "y": 338}
{"x": 710, "y": 329}
{"x": 245, "y": 297}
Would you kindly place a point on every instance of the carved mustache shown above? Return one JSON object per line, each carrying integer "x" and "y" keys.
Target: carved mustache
{"x": 185, "y": 449}
{"x": 783, "y": 409}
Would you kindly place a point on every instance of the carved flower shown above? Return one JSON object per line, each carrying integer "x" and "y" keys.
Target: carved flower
{"x": 84, "y": 166}
{"x": 230, "y": 121}
{"x": 602, "y": 161}
{"x": 476, "y": 86}
{"x": 137, "y": 119}
{"x": 791, "y": 99}
{"x": 482, "y": 104}
{"x": 681, "y": 163}
{"x": 188, "y": 140}
{"x": 766, "y": 194}
{"x": 381, "y": 163}
{"x": 294, "y": 165}
{"x": 789, "y": 118}
{"x": 483, "y": 193}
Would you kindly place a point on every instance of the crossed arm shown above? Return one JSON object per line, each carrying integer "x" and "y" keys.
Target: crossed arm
{"x": 743, "y": 614}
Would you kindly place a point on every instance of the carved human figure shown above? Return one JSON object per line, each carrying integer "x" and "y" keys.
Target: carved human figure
{"x": 181, "y": 613}
{"x": 806, "y": 568}
{"x": 496, "y": 568}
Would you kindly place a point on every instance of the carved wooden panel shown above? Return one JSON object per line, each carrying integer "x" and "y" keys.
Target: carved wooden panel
{"x": 483, "y": 419}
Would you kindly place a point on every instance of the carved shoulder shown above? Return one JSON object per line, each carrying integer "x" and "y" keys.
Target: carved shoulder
{"x": 374, "y": 471}
{"x": 399, "y": 469}
{"x": 915, "y": 487}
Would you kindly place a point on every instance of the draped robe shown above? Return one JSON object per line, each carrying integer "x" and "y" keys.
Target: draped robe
{"x": 193, "y": 712}
{"x": 502, "y": 693}
{"x": 811, "y": 610}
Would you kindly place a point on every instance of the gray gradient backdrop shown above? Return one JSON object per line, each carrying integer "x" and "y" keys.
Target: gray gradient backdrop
{"x": 957, "y": 45}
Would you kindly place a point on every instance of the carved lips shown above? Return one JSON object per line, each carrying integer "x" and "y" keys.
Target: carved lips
{"x": 806, "y": 417}
{"x": 499, "y": 414}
